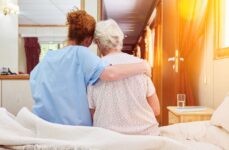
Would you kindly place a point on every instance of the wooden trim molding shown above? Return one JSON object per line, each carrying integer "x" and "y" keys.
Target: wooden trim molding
{"x": 14, "y": 77}
{"x": 82, "y": 4}
{"x": 99, "y": 9}
{"x": 221, "y": 53}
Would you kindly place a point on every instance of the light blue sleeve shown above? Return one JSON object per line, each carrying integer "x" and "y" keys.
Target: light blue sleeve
{"x": 92, "y": 66}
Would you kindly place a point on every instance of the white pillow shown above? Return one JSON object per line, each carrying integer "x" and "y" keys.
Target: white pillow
{"x": 221, "y": 115}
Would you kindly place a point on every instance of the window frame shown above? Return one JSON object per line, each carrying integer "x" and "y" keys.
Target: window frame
{"x": 59, "y": 46}
{"x": 220, "y": 52}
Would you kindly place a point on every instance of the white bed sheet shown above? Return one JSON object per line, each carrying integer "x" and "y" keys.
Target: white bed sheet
{"x": 197, "y": 133}
{"x": 28, "y": 131}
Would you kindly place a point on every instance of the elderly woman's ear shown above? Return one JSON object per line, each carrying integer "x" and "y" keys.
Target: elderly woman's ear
{"x": 97, "y": 43}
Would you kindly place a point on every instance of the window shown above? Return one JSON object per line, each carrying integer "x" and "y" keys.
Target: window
{"x": 45, "y": 47}
{"x": 221, "y": 24}
{"x": 225, "y": 24}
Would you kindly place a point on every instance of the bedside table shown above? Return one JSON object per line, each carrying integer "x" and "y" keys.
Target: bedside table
{"x": 185, "y": 115}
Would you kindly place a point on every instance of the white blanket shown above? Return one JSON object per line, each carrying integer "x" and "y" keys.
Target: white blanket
{"x": 27, "y": 129}
{"x": 201, "y": 131}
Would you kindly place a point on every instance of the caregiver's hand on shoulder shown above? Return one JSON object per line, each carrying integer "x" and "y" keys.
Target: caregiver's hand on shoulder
{"x": 121, "y": 71}
{"x": 147, "y": 68}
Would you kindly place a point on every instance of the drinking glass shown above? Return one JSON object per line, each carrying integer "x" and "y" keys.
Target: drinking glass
{"x": 181, "y": 98}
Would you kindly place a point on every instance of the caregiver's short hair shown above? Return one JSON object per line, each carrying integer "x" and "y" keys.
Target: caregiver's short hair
{"x": 109, "y": 34}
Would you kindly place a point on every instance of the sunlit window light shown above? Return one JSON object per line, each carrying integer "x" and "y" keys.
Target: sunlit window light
{"x": 226, "y": 24}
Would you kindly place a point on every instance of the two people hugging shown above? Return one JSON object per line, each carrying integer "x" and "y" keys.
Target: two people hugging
{"x": 113, "y": 92}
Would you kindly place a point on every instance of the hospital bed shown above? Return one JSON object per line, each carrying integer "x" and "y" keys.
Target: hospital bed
{"x": 27, "y": 131}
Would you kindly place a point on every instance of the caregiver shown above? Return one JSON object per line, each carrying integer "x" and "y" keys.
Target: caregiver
{"x": 59, "y": 81}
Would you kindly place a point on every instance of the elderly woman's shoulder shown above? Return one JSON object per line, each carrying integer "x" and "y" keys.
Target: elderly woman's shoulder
{"x": 134, "y": 58}
{"x": 127, "y": 58}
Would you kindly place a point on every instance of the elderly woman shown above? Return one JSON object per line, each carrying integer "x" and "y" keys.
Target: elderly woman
{"x": 127, "y": 106}
{"x": 59, "y": 82}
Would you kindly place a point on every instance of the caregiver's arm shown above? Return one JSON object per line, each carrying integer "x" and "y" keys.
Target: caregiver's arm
{"x": 117, "y": 72}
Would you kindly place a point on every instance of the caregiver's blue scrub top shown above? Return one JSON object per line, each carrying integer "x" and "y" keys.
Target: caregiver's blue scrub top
{"x": 59, "y": 85}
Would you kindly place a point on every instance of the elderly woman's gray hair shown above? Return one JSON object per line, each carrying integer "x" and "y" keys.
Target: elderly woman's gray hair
{"x": 109, "y": 35}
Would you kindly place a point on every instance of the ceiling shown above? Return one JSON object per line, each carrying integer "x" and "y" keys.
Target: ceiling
{"x": 131, "y": 15}
{"x": 45, "y": 12}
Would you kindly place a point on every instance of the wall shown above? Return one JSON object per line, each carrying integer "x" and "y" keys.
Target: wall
{"x": 213, "y": 80}
{"x": 45, "y": 34}
{"x": 21, "y": 56}
{"x": 220, "y": 80}
{"x": 9, "y": 41}
{"x": 205, "y": 81}
{"x": 92, "y": 8}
